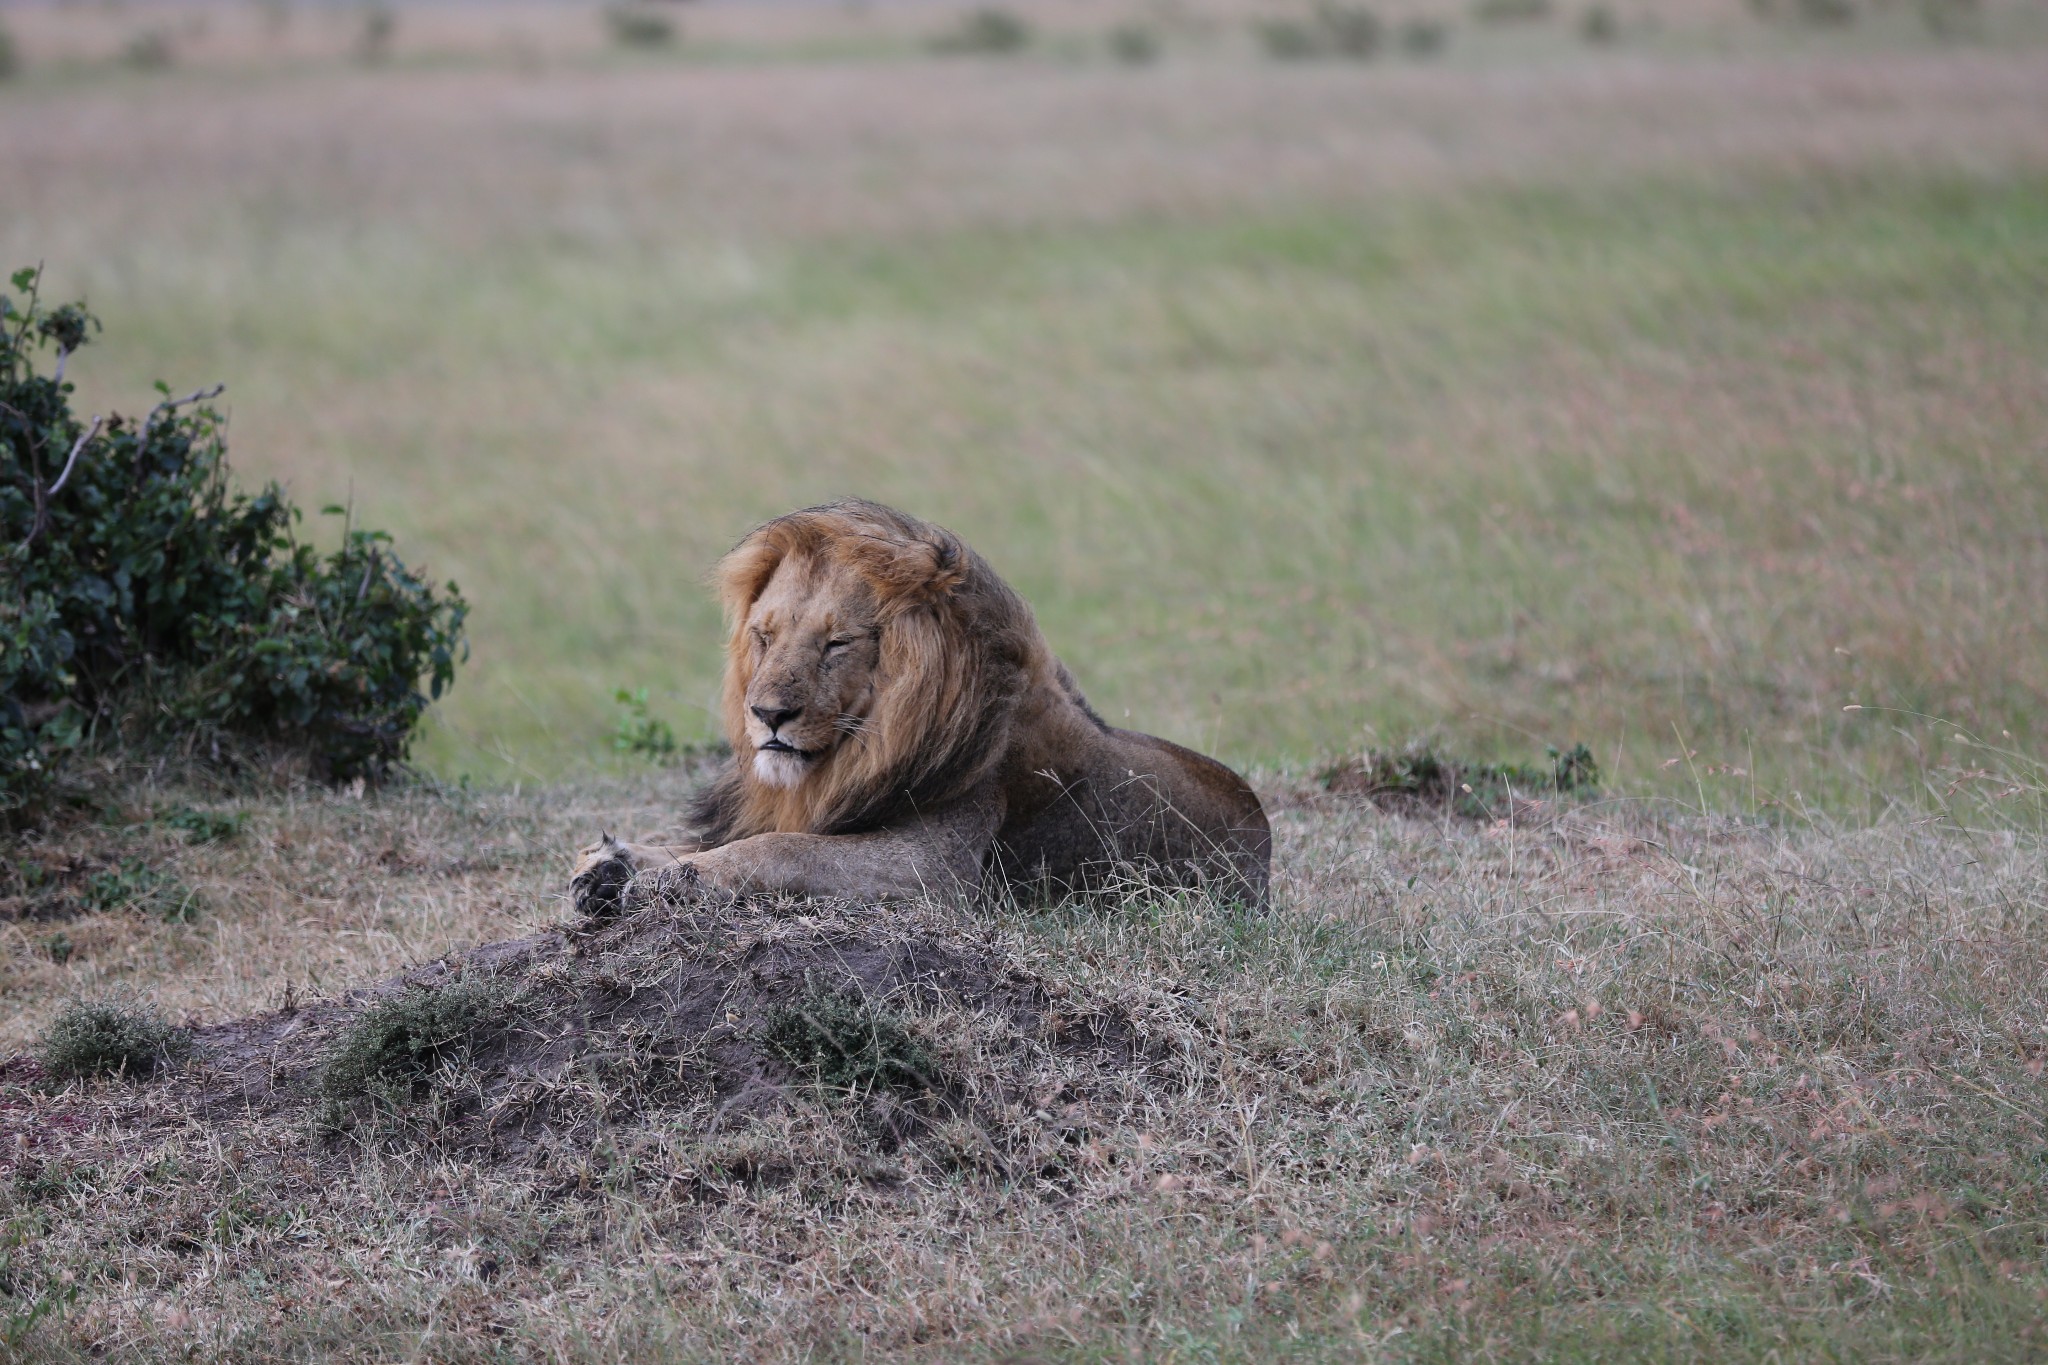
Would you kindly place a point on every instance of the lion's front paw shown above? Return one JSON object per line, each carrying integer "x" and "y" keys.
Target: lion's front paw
{"x": 599, "y": 882}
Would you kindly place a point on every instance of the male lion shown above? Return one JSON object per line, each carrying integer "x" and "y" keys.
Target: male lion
{"x": 899, "y": 727}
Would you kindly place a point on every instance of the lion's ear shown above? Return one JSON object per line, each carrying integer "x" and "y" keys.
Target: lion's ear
{"x": 914, "y": 572}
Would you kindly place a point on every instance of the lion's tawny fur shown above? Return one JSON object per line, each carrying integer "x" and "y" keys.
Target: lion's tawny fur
{"x": 957, "y": 649}
{"x": 917, "y": 734}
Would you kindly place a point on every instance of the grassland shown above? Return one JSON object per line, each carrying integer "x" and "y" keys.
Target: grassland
{"x": 1670, "y": 395}
{"x": 1606, "y": 396}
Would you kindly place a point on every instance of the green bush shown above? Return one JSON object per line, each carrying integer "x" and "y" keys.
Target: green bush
{"x": 141, "y": 598}
{"x": 10, "y": 59}
{"x": 109, "y": 1037}
{"x": 1598, "y": 25}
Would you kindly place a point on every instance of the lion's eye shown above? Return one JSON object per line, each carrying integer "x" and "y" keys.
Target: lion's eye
{"x": 834, "y": 646}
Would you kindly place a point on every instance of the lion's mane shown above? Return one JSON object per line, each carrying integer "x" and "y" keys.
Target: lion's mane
{"x": 957, "y": 650}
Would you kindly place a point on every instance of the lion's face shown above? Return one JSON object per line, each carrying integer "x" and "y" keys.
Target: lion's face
{"x": 811, "y": 647}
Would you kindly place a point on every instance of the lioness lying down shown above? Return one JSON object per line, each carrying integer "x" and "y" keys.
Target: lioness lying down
{"x": 899, "y": 727}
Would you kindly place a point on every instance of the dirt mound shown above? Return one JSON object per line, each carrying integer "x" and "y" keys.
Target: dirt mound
{"x": 904, "y": 1025}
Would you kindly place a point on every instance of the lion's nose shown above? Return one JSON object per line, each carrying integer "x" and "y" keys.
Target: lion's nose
{"x": 774, "y": 717}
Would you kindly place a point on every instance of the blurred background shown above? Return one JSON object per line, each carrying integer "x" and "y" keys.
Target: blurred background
{"x": 1660, "y": 376}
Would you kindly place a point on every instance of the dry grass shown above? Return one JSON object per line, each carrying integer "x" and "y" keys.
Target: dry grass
{"x": 1612, "y": 1080}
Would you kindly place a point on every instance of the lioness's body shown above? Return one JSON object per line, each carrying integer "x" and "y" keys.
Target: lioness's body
{"x": 899, "y": 727}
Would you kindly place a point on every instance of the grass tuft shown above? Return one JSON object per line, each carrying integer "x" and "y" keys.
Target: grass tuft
{"x": 206, "y": 826}
{"x": 847, "y": 1044}
{"x": 110, "y": 1037}
{"x": 386, "y": 1055}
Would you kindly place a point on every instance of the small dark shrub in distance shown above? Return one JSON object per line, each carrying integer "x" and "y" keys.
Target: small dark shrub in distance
{"x": 1599, "y": 26}
{"x": 10, "y": 58}
{"x": 1334, "y": 30}
{"x": 1287, "y": 40}
{"x": 374, "y": 39}
{"x": 1953, "y": 19}
{"x": 1350, "y": 30}
{"x": 387, "y": 1052}
{"x": 142, "y": 599}
{"x": 1424, "y": 37}
{"x": 149, "y": 50}
{"x": 986, "y": 32}
{"x": 1823, "y": 13}
{"x": 1134, "y": 44}
{"x": 639, "y": 26}
{"x": 847, "y": 1044}
{"x": 109, "y": 1037}
{"x": 1510, "y": 11}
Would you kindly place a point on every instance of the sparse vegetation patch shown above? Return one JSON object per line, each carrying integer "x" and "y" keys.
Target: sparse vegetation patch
{"x": 1422, "y": 778}
{"x": 385, "y": 1054}
{"x": 113, "y": 1036}
{"x": 638, "y": 730}
{"x": 848, "y": 1044}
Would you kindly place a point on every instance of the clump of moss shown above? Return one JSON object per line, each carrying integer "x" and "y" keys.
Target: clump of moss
{"x": 847, "y": 1044}
{"x": 387, "y": 1053}
{"x": 1419, "y": 776}
{"x": 110, "y": 1037}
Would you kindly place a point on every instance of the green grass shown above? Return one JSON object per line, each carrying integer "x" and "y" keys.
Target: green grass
{"x": 1607, "y": 464}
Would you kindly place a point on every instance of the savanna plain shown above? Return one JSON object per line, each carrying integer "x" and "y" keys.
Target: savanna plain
{"x": 1669, "y": 379}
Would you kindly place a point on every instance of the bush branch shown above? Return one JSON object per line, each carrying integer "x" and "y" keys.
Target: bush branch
{"x": 72, "y": 459}
{"x": 172, "y": 405}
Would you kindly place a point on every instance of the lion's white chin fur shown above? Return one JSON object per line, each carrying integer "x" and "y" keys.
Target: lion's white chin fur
{"x": 776, "y": 769}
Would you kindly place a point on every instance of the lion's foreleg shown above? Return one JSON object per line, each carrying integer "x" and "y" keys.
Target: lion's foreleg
{"x": 936, "y": 856}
